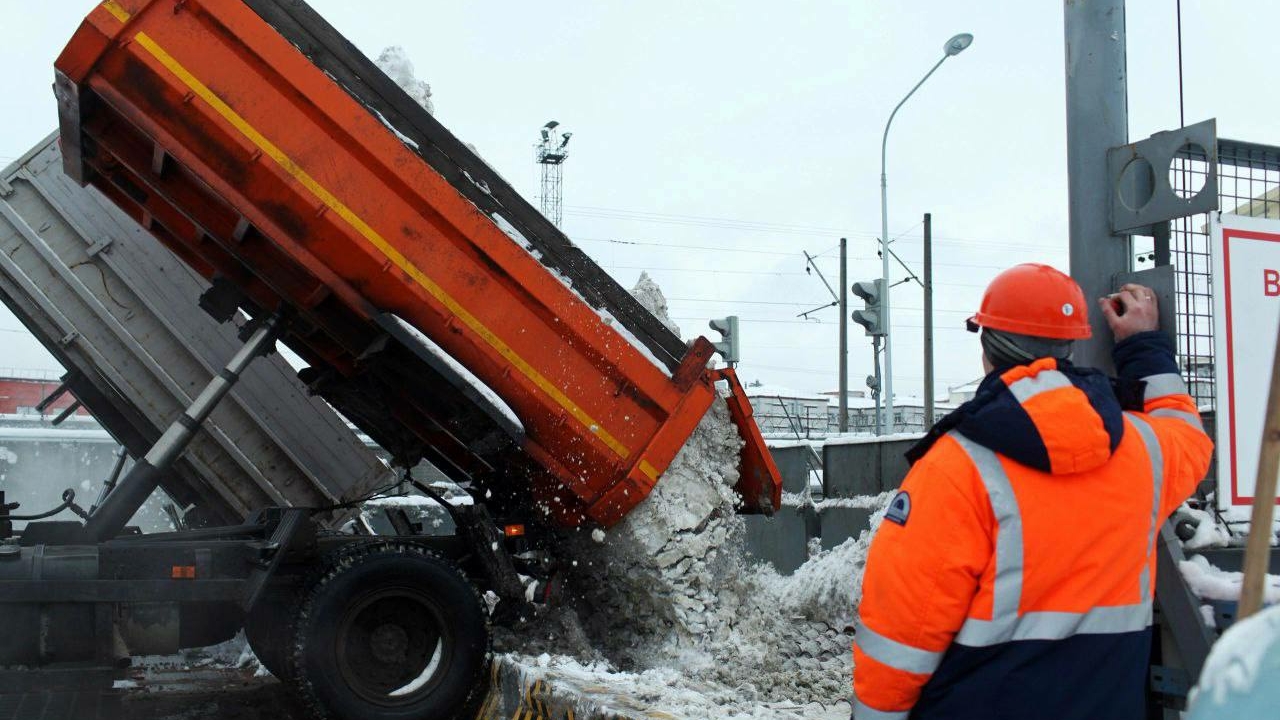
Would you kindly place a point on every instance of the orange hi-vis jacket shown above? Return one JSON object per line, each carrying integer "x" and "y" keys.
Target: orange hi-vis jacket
{"x": 1013, "y": 574}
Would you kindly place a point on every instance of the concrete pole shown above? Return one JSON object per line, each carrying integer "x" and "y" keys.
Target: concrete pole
{"x": 843, "y": 423}
{"x": 1097, "y": 119}
{"x": 928, "y": 321}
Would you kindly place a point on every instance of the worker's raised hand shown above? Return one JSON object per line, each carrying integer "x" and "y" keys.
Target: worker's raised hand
{"x": 1131, "y": 310}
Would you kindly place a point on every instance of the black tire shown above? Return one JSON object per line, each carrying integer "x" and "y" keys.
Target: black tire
{"x": 389, "y": 631}
{"x": 269, "y": 628}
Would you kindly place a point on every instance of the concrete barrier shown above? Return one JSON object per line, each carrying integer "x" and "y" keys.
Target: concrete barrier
{"x": 783, "y": 539}
{"x": 792, "y": 459}
{"x": 841, "y": 523}
{"x": 854, "y": 466}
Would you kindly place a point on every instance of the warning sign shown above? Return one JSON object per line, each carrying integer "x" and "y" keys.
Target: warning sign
{"x": 1246, "y": 272}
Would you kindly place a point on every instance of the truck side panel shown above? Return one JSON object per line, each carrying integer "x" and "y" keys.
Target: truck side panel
{"x": 240, "y": 153}
{"x": 120, "y": 312}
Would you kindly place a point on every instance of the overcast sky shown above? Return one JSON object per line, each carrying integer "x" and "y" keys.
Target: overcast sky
{"x": 714, "y": 142}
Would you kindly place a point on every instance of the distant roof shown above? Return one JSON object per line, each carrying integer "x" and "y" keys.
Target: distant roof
{"x": 30, "y": 375}
{"x": 898, "y": 401}
{"x": 779, "y": 391}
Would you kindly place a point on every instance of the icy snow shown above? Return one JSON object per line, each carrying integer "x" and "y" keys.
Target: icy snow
{"x": 395, "y": 63}
{"x": 1211, "y": 583}
{"x": 649, "y": 295}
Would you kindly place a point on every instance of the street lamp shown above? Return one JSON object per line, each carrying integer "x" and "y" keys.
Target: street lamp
{"x": 954, "y": 46}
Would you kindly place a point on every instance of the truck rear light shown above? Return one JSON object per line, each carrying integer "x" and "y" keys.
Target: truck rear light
{"x": 513, "y": 531}
{"x": 183, "y": 572}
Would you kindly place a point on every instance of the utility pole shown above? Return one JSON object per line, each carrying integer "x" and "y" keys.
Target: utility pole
{"x": 928, "y": 321}
{"x": 843, "y": 423}
{"x": 1097, "y": 119}
{"x": 875, "y": 382}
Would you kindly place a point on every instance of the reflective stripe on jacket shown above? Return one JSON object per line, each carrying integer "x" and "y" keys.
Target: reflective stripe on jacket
{"x": 1016, "y": 577}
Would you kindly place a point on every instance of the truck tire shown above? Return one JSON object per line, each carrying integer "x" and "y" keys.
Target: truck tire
{"x": 389, "y": 631}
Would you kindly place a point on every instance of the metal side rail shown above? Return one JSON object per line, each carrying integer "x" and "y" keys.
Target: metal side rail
{"x": 1183, "y": 637}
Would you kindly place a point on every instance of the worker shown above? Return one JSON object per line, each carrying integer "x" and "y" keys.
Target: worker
{"x": 1012, "y": 574}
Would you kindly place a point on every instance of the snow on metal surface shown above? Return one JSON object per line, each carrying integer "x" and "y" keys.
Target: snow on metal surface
{"x": 1238, "y": 676}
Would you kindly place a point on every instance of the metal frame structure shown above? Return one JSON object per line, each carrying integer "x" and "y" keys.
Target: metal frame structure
{"x": 550, "y": 155}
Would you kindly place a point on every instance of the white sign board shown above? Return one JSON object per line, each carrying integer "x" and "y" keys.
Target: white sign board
{"x": 1246, "y": 305}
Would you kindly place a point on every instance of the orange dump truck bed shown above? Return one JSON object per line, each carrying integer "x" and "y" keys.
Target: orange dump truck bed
{"x": 270, "y": 155}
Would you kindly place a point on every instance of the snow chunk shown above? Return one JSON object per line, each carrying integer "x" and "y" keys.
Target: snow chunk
{"x": 1211, "y": 583}
{"x": 395, "y": 63}
{"x": 649, "y": 295}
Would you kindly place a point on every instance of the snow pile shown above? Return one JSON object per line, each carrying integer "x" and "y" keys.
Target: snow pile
{"x": 647, "y": 292}
{"x": 1211, "y": 583}
{"x": 666, "y": 607}
{"x": 1234, "y": 680}
{"x": 650, "y": 585}
{"x": 395, "y": 63}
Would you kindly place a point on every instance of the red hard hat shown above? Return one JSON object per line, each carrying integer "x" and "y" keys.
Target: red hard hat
{"x": 1034, "y": 299}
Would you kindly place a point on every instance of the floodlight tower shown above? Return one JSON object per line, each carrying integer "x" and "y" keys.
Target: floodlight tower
{"x": 551, "y": 154}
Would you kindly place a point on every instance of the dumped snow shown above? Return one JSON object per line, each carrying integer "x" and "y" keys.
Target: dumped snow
{"x": 395, "y": 63}
{"x": 670, "y": 611}
{"x": 1211, "y": 583}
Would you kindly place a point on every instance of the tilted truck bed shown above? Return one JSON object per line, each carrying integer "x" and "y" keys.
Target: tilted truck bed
{"x": 120, "y": 313}
{"x": 254, "y": 141}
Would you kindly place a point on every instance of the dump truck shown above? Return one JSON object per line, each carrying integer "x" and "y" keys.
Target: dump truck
{"x": 432, "y": 306}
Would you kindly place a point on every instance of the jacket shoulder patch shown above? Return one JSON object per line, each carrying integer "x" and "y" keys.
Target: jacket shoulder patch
{"x": 899, "y": 508}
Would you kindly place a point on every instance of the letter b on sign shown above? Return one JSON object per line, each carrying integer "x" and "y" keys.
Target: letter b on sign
{"x": 1271, "y": 283}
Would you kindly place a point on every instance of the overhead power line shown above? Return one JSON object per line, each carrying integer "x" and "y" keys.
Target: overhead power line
{"x": 607, "y": 213}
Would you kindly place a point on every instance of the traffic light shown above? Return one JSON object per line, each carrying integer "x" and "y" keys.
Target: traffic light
{"x": 870, "y": 317}
{"x": 728, "y": 346}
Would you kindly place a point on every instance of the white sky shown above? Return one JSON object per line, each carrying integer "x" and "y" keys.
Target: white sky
{"x": 728, "y": 137}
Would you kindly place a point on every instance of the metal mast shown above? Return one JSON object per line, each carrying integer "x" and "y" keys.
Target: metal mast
{"x": 550, "y": 154}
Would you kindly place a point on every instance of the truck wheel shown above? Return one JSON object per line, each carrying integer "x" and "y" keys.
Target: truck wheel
{"x": 389, "y": 631}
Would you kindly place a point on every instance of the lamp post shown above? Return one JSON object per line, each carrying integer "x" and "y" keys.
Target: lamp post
{"x": 954, "y": 46}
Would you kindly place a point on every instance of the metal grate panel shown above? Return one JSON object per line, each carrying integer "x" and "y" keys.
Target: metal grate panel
{"x": 1248, "y": 184}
